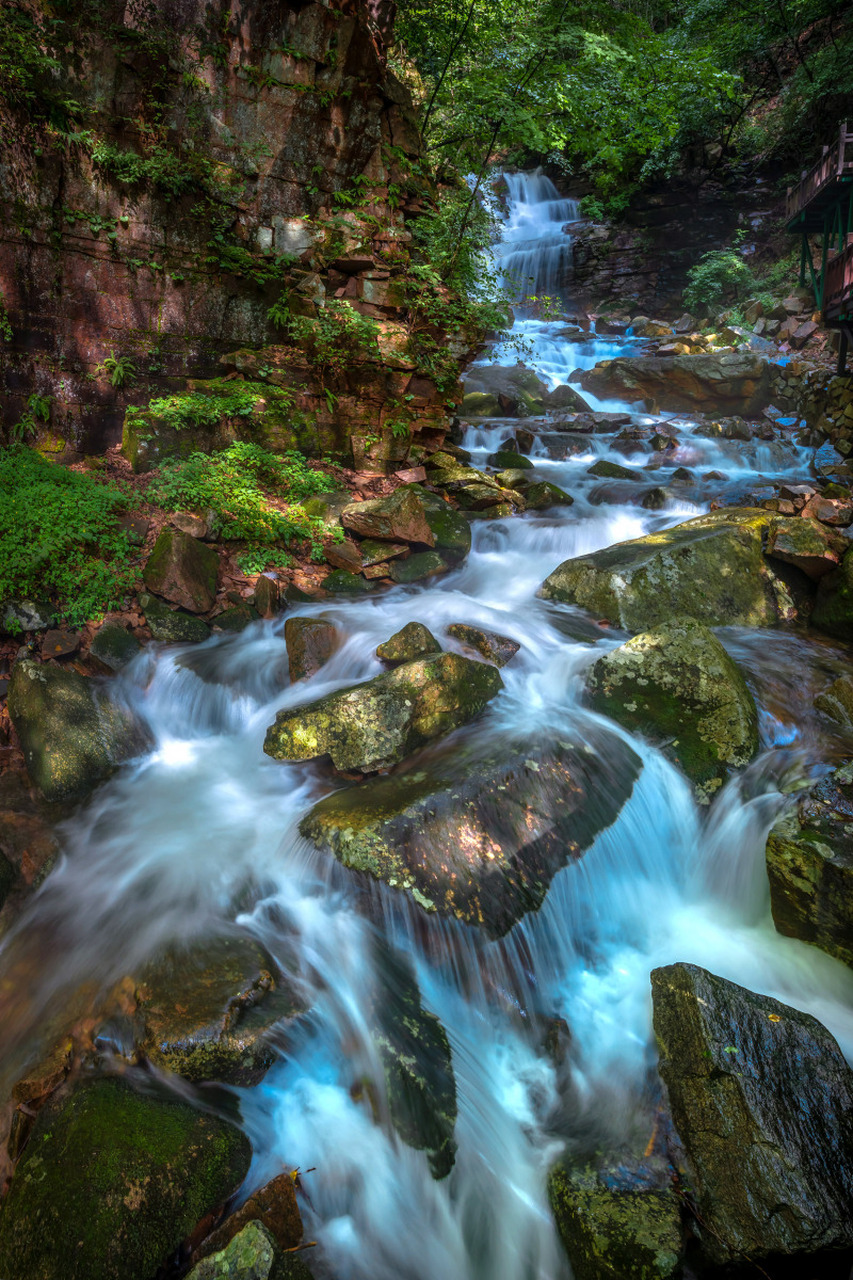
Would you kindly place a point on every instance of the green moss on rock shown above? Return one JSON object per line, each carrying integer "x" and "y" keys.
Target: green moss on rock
{"x": 407, "y": 645}
{"x": 183, "y": 570}
{"x": 678, "y": 686}
{"x": 110, "y": 1183}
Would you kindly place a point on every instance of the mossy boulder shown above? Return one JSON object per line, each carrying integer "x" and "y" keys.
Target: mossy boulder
{"x": 113, "y": 646}
{"x": 711, "y": 568}
{"x": 502, "y": 458}
{"x": 182, "y": 570}
{"x": 836, "y": 701}
{"x": 423, "y": 564}
{"x": 606, "y": 470}
{"x": 310, "y": 643}
{"x": 417, "y": 1063}
{"x": 251, "y": 1255}
{"x": 810, "y": 867}
{"x": 679, "y": 687}
{"x": 343, "y": 583}
{"x": 808, "y": 545}
{"x": 371, "y": 726}
{"x": 490, "y": 645}
{"x": 209, "y": 1010}
{"x": 762, "y": 1100}
{"x": 542, "y": 494}
{"x": 72, "y": 733}
{"x": 833, "y": 611}
{"x": 451, "y": 532}
{"x": 172, "y": 626}
{"x": 478, "y": 834}
{"x": 407, "y": 645}
{"x": 512, "y": 391}
{"x": 111, "y": 1182}
{"x": 479, "y": 404}
{"x": 613, "y": 1229}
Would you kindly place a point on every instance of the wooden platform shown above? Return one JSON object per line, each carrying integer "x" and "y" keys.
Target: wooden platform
{"x": 823, "y": 186}
{"x": 838, "y": 290}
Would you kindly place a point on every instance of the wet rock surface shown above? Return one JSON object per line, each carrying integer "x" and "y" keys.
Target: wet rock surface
{"x": 711, "y": 568}
{"x": 809, "y": 857}
{"x": 478, "y": 835}
{"x": 72, "y": 733}
{"x": 310, "y": 643}
{"x": 738, "y": 383}
{"x": 376, "y": 724}
{"x": 762, "y": 1099}
{"x": 679, "y": 687}
{"x": 494, "y": 648}
{"x": 414, "y": 641}
{"x": 111, "y": 1181}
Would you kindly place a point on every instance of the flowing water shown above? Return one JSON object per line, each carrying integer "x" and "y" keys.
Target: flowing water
{"x": 206, "y": 820}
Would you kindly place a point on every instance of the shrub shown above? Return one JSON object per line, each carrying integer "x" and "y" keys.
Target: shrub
{"x": 240, "y": 486}
{"x": 717, "y": 277}
{"x": 60, "y": 538}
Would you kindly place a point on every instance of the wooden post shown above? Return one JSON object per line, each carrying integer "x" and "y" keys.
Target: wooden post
{"x": 842, "y": 354}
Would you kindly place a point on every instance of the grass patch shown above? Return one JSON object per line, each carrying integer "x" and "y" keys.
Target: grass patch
{"x": 60, "y": 539}
{"x": 254, "y": 496}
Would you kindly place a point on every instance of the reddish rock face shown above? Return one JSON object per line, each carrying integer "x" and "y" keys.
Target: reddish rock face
{"x": 280, "y": 131}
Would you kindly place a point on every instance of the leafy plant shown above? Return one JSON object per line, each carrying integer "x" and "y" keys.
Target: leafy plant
{"x": 60, "y": 537}
{"x": 5, "y": 322}
{"x": 119, "y": 369}
{"x": 334, "y": 340}
{"x": 37, "y": 410}
{"x": 205, "y": 408}
{"x": 253, "y": 495}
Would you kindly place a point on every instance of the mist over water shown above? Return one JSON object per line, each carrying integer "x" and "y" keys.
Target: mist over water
{"x": 203, "y": 830}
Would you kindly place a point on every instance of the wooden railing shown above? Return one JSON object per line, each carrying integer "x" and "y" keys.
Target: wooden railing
{"x": 836, "y": 162}
{"x": 838, "y": 284}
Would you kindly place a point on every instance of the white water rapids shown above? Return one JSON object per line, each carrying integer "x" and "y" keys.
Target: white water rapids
{"x": 167, "y": 847}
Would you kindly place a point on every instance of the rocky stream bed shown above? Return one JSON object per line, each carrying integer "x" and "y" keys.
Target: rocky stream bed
{"x": 487, "y": 915}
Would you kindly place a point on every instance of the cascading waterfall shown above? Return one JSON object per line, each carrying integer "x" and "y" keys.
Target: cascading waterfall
{"x": 205, "y": 820}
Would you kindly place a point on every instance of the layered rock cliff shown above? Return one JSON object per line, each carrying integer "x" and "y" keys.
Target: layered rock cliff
{"x": 171, "y": 171}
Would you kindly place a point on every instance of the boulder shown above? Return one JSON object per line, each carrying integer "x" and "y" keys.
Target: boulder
{"x": 235, "y": 619}
{"x": 762, "y": 1100}
{"x": 479, "y": 834}
{"x": 451, "y": 532}
{"x": 566, "y": 397}
{"x": 25, "y": 615}
{"x": 677, "y": 686}
{"x": 343, "y": 583}
{"x": 711, "y": 568}
{"x": 416, "y": 1060}
{"x": 113, "y": 646}
{"x": 208, "y": 1010}
{"x": 808, "y": 545}
{"x": 250, "y": 1255}
{"x": 376, "y": 724}
{"x": 374, "y": 552}
{"x": 172, "y": 626}
{"x": 606, "y": 470}
{"x": 495, "y": 648}
{"x": 423, "y": 564}
{"x": 72, "y": 735}
{"x": 809, "y": 857}
{"x": 399, "y": 517}
{"x": 182, "y": 570}
{"x": 738, "y": 383}
{"x": 542, "y": 494}
{"x": 310, "y": 643}
{"x": 833, "y": 611}
{"x": 111, "y": 1182}
{"x": 412, "y": 642}
{"x": 836, "y": 701}
{"x": 503, "y": 458}
{"x": 613, "y": 1227}
{"x": 511, "y": 391}
{"x": 274, "y": 1207}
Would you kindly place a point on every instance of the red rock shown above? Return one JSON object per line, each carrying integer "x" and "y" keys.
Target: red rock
{"x": 412, "y": 475}
{"x": 266, "y": 597}
{"x": 310, "y": 642}
{"x": 828, "y": 511}
{"x": 59, "y": 644}
{"x": 398, "y": 518}
{"x": 343, "y": 555}
{"x": 183, "y": 571}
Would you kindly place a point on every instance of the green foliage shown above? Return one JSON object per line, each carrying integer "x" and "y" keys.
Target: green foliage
{"x": 5, "y": 322}
{"x": 31, "y": 43}
{"x": 252, "y": 494}
{"x": 205, "y": 408}
{"x": 717, "y": 277}
{"x": 119, "y": 369}
{"x": 60, "y": 537}
{"x": 334, "y": 340}
{"x": 37, "y": 410}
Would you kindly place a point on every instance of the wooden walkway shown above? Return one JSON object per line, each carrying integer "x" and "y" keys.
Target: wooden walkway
{"x": 822, "y": 204}
{"x": 822, "y": 186}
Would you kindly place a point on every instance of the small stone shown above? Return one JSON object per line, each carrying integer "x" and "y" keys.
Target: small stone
{"x": 490, "y": 645}
{"x": 266, "y": 596}
{"x": 377, "y": 571}
{"x": 343, "y": 555}
{"x": 310, "y": 643}
{"x": 173, "y": 626}
{"x": 412, "y": 642}
{"x": 655, "y": 499}
{"x": 60, "y": 644}
{"x": 136, "y": 528}
{"x": 611, "y": 471}
{"x": 836, "y": 701}
{"x": 195, "y": 526}
{"x": 341, "y": 582}
{"x": 543, "y": 494}
{"x": 505, "y": 458}
{"x": 373, "y": 551}
{"x": 411, "y": 475}
{"x": 235, "y": 619}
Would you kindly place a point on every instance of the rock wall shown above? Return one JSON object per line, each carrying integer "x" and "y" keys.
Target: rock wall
{"x": 819, "y": 397}
{"x": 228, "y": 155}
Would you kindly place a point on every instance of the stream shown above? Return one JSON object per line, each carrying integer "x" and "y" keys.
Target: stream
{"x": 165, "y": 849}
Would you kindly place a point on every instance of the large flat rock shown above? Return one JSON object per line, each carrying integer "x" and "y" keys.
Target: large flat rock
{"x": 712, "y": 568}
{"x": 762, "y": 1099}
{"x": 479, "y": 834}
{"x": 737, "y": 382}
